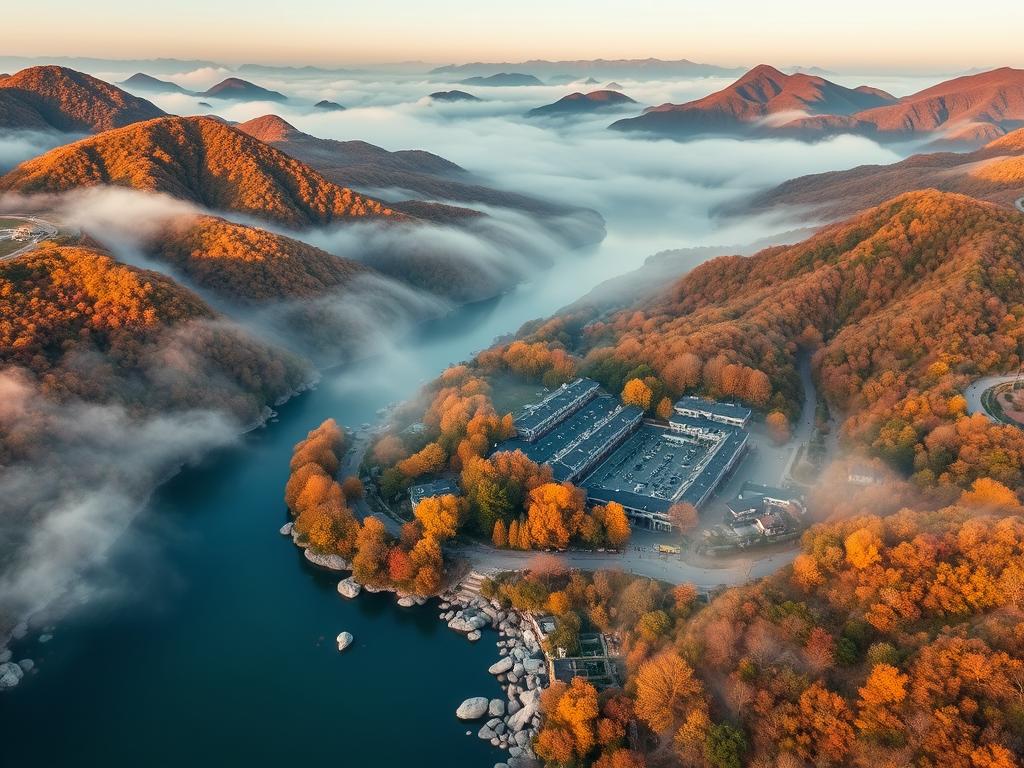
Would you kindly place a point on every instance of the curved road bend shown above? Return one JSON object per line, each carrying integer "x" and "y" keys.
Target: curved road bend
{"x": 974, "y": 392}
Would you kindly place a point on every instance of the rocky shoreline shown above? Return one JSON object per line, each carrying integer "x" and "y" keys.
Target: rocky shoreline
{"x": 512, "y": 722}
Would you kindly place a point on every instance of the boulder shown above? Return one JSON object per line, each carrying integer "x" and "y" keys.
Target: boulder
{"x": 329, "y": 561}
{"x": 10, "y": 675}
{"x": 501, "y": 765}
{"x": 496, "y": 708}
{"x": 5, "y": 655}
{"x": 345, "y": 640}
{"x": 406, "y": 602}
{"x": 20, "y": 630}
{"x": 531, "y": 705}
{"x": 45, "y": 637}
{"x": 501, "y": 666}
{"x": 349, "y": 587}
{"x": 534, "y": 666}
{"x": 485, "y": 733}
{"x": 474, "y": 635}
{"x": 27, "y": 665}
{"x": 519, "y": 669}
{"x": 286, "y": 529}
{"x": 473, "y": 708}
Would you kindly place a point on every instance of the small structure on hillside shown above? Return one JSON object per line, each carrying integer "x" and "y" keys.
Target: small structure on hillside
{"x": 440, "y": 487}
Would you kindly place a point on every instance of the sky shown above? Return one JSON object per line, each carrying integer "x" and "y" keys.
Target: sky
{"x": 871, "y": 34}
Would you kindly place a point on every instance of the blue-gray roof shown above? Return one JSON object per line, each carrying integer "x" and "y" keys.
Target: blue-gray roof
{"x": 440, "y": 487}
{"x": 533, "y": 416}
{"x": 729, "y": 410}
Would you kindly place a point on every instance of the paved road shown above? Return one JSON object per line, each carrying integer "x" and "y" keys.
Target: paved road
{"x": 48, "y": 231}
{"x": 639, "y": 557}
{"x": 974, "y": 392}
{"x": 643, "y": 562}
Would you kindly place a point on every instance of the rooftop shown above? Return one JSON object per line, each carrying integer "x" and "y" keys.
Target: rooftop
{"x": 727, "y": 410}
{"x": 533, "y": 416}
{"x": 440, "y": 487}
{"x": 563, "y": 434}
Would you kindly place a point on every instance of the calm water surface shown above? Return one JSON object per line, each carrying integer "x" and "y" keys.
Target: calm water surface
{"x": 218, "y": 646}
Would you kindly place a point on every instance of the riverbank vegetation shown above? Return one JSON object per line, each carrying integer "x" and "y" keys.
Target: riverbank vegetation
{"x": 324, "y": 521}
{"x": 892, "y": 641}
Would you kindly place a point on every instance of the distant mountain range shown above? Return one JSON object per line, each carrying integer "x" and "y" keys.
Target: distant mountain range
{"x": 502, "y": 79}
{"x": 578, "y": 103}
{"x": 232, "y": 88}
{"x": 360, "y": 165}
{"x": 140, "y": 81}
{"x": 751, "y": 101}
{"x": 602, "y": 69}
{"x": 966, "y": 110}
{"x": 241, "y": 90}
{"x": 453, "y": 96}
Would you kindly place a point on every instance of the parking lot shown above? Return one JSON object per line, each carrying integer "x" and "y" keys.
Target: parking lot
{"x": 648, "y": 464}
{"x": 566, "y": 432}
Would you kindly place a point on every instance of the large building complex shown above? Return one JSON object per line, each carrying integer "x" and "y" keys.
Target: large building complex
{"x": 538, "y": 419}
{"x": 724, "y": 413}
{"x": 589, "y": 438}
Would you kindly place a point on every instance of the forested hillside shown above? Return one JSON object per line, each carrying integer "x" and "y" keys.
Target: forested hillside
{"x": 84, "y": 326}
{"x": 248, "y": 263}
{"x": 201, "y": 160}
{"x": 995, "y": 172}
{"x": 61, "y": 99}
{"x": 894, "y": 641}
{"x": 899, "y": 309}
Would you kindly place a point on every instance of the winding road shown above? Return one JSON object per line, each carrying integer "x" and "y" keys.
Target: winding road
{"x": 974, "y": 392}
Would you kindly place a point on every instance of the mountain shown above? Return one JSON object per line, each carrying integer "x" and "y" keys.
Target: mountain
{"x": 898, "y": 309}
{"x": 55, "y": 98}
{"x": 995, "y": 173}
{"x": 613, "y": 86}
{"x": 235, "y": 88}
{"x": 64, "y": 304}
{"x": 201, "y": 160}
{"x": 453, "y": 96}
{"x": 502, "y": 79}
{"x": 329, "y": 106}
{"x": 278, "y": 69}
{"x": 763, "y": 98}
{"x": 577, "y": 103}
{"x": 602, "y": 69}
{"x": 365, "y": 166}
{"x": 143, "y": 82}
{"x": 248, "y": 264}
{"x": 972, "y": 108}
{"x": 969, "y": 110}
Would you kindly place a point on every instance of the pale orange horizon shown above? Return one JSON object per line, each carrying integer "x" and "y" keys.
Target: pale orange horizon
{"x": 871, "y": 35}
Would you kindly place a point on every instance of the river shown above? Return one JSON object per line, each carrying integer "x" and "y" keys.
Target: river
{"x": 217, "y": 646}
{"x": 212, "y": 642}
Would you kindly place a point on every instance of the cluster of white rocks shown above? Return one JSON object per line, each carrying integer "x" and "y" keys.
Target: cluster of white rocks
{"x": 512, "y": 723}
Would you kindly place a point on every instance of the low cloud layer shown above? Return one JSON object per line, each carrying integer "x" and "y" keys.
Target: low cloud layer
{"x": 88, "y": 470}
